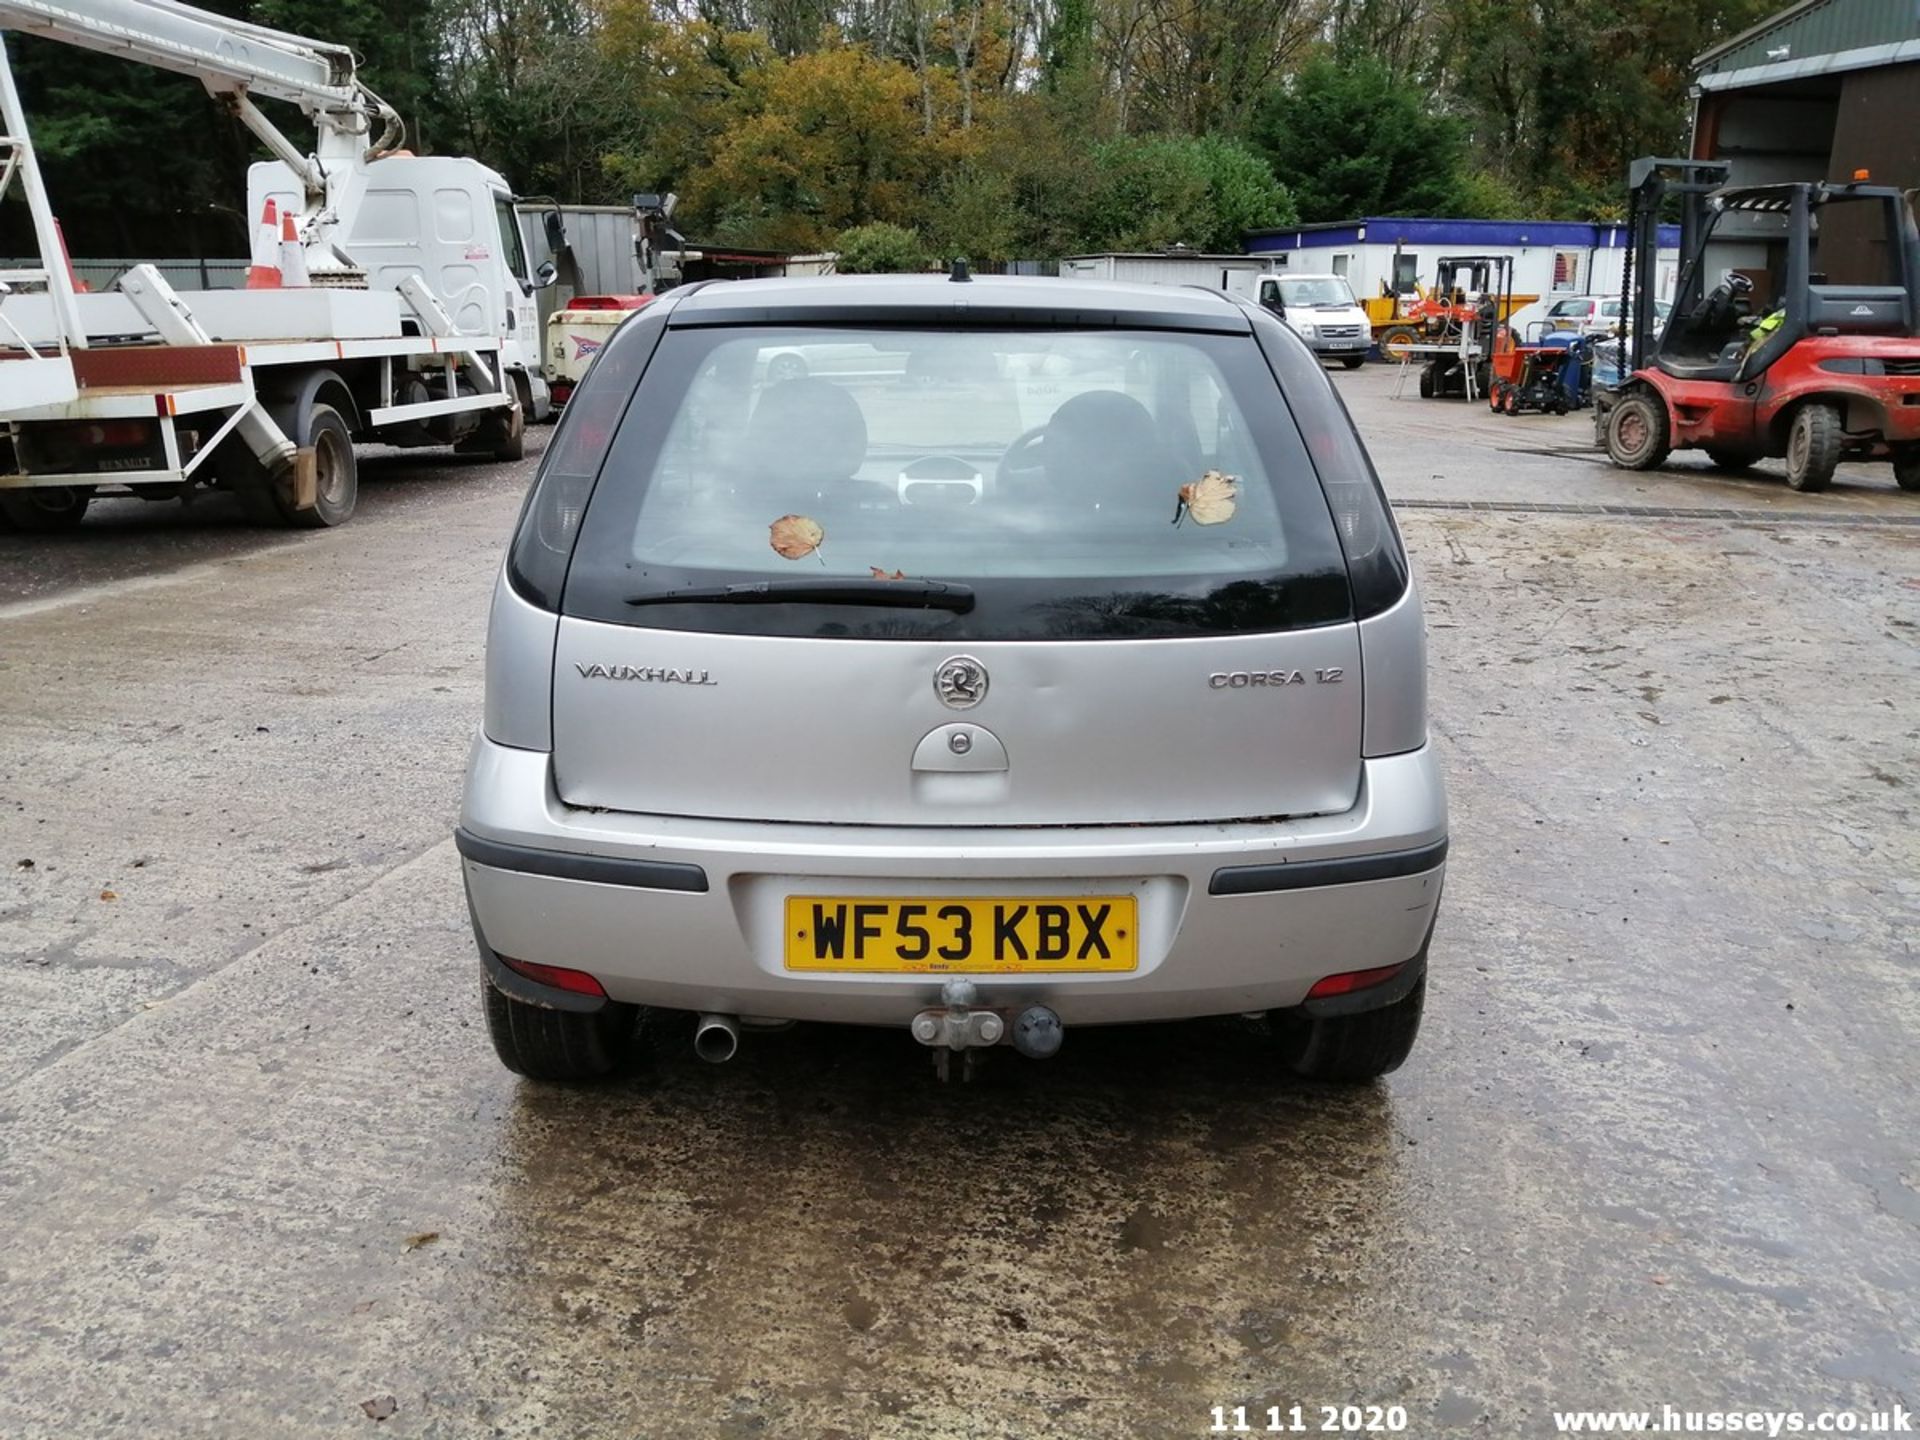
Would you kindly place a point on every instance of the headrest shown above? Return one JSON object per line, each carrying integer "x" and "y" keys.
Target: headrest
{"x": 807, "y": 430}
{"x": 1102, "y": 442}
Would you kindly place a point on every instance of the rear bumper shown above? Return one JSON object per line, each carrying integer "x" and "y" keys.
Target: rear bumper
{"x": 688, "y": 914}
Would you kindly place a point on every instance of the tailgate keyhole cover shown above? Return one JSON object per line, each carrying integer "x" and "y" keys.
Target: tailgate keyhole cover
{"x": 961, "y": 747}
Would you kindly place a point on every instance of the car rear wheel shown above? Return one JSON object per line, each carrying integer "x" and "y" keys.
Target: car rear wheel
{"x": 1813, "y": 447}
{"x": 1352, "y": 1049}
{"x": 1906, "y": 468}
{"x": 545, "y": 1044}
{"x": 1353, "y": 362}
{"x": 1637, "y": 433}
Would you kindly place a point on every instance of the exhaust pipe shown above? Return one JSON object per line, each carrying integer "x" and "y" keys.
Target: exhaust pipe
{"x": 716, "y": 1038}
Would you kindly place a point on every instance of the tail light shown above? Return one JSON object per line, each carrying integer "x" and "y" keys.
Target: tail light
{"x": 560, "y": 978}
{"x": 1347, "y": 981}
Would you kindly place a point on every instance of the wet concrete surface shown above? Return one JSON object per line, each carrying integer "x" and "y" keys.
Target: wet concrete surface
{"x": 1657, "y": 1143}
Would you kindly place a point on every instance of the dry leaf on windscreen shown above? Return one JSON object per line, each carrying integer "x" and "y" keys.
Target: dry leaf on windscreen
{"x": 794, "y": 537}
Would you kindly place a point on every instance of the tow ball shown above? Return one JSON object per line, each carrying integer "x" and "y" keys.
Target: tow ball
{"x": 964, "y": 1027}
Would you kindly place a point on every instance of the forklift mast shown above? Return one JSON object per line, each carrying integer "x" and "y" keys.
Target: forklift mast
{"x": 1650, "y": 181}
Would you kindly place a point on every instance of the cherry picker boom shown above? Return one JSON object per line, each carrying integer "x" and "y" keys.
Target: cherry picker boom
{"x": 416, "y": 325}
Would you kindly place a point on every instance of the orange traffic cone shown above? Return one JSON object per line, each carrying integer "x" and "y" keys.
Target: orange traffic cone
{"x": 80, "y": 287}
{"x": 264, "y": 272}
{"x": 293, "y": 255}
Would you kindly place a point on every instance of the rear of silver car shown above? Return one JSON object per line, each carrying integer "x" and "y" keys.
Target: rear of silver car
{"x": 1045, "y": 660}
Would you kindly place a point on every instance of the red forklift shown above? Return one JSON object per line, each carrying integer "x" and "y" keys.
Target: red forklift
{"x": 1778, "y": 362}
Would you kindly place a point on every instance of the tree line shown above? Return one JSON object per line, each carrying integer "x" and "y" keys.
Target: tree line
{"x": 999, "y": 129}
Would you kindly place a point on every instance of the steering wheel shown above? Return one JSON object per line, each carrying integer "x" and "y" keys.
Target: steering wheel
{"x": 1023, "y": 461}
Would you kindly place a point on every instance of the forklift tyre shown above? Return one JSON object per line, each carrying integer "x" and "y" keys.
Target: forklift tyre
{"x": 1906, "y": 468}
{"x": 45, "y": 510}
{"x": 1638, "y": 436}
{"x": 1426, "y": 382}
{"x": 1813, "y": 446}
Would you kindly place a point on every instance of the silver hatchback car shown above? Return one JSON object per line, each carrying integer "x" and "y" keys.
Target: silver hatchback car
{"x": 1044, "y": 656}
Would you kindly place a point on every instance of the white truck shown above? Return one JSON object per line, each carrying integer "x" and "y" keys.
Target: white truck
{"x": 417, "y": 325}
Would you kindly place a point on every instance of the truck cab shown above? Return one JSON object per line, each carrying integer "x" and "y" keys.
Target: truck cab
{"x": 1321, "y": 310}
{"x": 450, "y": 221}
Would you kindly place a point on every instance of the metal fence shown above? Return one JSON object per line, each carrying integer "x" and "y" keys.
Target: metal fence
{"x": 205, "y": 274}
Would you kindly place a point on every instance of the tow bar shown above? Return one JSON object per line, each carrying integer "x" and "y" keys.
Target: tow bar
{"x": 964, "y": 1028}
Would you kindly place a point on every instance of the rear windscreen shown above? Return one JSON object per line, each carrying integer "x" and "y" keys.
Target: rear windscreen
{"x": 1081, "y": 484}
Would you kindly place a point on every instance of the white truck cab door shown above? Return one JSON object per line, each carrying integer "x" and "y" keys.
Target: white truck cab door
{"x": 520, "y": 314}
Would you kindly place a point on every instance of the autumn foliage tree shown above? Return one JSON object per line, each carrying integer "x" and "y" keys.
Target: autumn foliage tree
{"x": 823, "y": 142}
{"x": 1002, "y": 129}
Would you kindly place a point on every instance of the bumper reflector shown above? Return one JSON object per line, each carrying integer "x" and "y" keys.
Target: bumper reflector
{"x": 1346, "y": 982}
{"x": 560, "y": 978}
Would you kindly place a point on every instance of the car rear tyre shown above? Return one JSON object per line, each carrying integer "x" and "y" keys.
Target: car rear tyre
{"x": 544, "y": 1044}
{"x": 46, "y": 510}
{"x": 1637, "y": 433}
{"x": 1352, "y": 1049}
{"x": 1813, "y": 447}
{"x": 1906, "y": 469}
{"x": 1353, "y": 362}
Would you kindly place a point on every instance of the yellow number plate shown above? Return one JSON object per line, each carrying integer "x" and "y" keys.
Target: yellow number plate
{"x": 995, "y": 936}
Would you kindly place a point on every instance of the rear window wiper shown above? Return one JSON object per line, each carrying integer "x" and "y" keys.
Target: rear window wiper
{"x": 887, "y": 594}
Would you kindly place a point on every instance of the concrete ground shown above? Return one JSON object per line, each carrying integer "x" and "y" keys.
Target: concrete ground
{"x": 261, "y": 1175}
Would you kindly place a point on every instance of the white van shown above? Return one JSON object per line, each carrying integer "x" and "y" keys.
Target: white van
{"x": 1321, "y": 310}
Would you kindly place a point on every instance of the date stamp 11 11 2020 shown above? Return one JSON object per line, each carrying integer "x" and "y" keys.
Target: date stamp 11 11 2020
{"x": 1308, "y": 1420}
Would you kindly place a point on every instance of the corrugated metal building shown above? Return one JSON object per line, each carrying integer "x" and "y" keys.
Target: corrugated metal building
{"x": 607, "y": 261}
{"x": 1235, "y": 273}
{"x": 1820, "y": 90}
